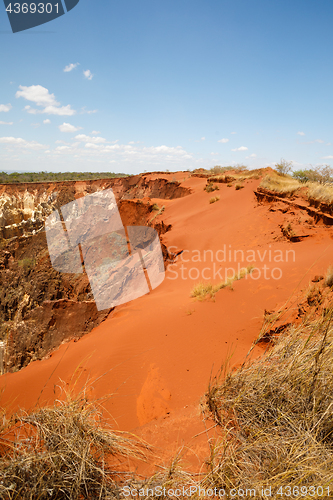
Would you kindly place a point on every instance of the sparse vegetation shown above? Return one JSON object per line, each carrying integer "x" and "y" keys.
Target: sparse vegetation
{"x": 219, "y": 170}
{"x": 202, "y": 291}
{"x": 323, "y": 174}
{"x": 239, "y": 186}
{"x": 276, "y": 416}
{"x": 27, "y": 264}
{"x": 214, "y": 199}
{"x": 63, "y": 452}
{"x": 155, "y": 207}
{"x": 210, "y": 187}
{"x": 288, "y": 231}
{"x": 284, "y": 167}
{"x": 320, "y": 192}
{"x": 280, "y": 184}
{"x": 159, "y": 212}
{"x": 329, "y": 277}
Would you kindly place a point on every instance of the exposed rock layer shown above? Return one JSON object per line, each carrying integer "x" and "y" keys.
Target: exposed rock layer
{"x": 40, "y": 307}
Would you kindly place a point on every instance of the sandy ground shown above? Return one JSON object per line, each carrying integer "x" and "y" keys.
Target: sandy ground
{"x": 154, "y": 356}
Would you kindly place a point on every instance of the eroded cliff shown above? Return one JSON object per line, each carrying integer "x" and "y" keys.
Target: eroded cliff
{"x": 39, "y": 307}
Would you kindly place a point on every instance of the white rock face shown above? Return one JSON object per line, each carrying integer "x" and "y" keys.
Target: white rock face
{"x": 23, "y": 213}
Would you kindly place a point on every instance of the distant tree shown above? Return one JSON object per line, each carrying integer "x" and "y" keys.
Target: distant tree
{"x": 284, "y": 167}
{"x": 322, "y": 174}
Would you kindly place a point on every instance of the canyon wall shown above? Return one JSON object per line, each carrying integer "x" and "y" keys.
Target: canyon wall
{"x": 39, "y": 307}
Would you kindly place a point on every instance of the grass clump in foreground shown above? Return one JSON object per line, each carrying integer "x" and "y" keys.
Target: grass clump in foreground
{"x": 276, "y": 416}
{"x": 62, "y": 452}
{"x": 214, "y": 199}
{"x": 202, "y": 291}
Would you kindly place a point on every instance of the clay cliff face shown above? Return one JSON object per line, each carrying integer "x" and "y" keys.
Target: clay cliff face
{"x": 39, "y": 307}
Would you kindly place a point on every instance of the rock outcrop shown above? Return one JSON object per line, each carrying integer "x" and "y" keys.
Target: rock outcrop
{"x": 39, "y": 307}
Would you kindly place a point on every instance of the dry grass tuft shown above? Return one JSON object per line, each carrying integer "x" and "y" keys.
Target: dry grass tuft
{"x": 280, "y": 184}
{"x": 159, "y": 212}
{"x": 329, "y": 277}
{"x": 211, "y": 187}
{"x": 202, "y": 291}
{"x": 214, "y": 199}
{"x": 239, "y": 186}
{"x": 320, "y": 192}
{"x": 63, "y": 452}
{"x": 277, "y": 417}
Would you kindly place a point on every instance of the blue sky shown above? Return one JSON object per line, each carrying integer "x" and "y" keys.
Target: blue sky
{"x": 172, "y": 84}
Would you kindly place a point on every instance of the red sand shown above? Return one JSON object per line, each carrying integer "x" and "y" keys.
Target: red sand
{"x": 154, "y": 356}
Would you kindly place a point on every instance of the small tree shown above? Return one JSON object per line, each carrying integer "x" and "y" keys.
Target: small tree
{"x": 283, "y": 167}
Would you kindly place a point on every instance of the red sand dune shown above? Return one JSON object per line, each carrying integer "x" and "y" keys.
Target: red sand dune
{"x": 154, "y": 356}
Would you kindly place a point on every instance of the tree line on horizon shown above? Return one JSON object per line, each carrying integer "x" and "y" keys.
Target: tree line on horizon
{"x": 17, "y": 177}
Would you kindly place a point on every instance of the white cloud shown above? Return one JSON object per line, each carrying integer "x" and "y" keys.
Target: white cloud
{"x": 52, "y": 110}
{"x": 203, "y": 138}
{"x": 87, "y": 111}
{"x": 242, "y": 148}
{"x": 252, "y": 156}
{"x": 37, "y": 94}
{"x": 42, "y": 97}
{"x": 87, "y": 138}
{"x": 327, "y": 157}
{"x": 5, "y": 108}
{"x": 233, "y": 132}
{"x": 320, "y": 141}
{"x": 95, "y": 132}
{"x": 70, "y": 67}
{"x": 67, "y": 127}
{"x": 88, "y": 74}
{"x": 300, "y": 133}
{"x": 6, "y": 123}
{"x": 223, "y": 140}
{"x": 22, "y": 143}
{"x": 47, "y": 121}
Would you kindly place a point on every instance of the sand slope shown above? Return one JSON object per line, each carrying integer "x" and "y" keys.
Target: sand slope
{"x": 155, "y": 355}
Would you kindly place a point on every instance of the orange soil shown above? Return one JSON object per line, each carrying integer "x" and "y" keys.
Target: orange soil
{"x": 154, "y": 356}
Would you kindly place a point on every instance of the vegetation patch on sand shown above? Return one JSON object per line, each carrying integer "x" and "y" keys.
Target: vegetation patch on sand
{"x": 210, "y": 187}
{"x": 202, "y": 291}
{"x": 276, "y": 415}
{"x": 320, "y": 192}
{"x": 63, "y": 452}
{"x": 285, "y": 184}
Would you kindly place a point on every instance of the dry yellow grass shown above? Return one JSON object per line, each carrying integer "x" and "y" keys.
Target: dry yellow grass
{"x": 276, "y": 417}
{"x": 320, "y": 192}
{"x": 214, "y": 199}
{"x": 62, "y": 452}
{"x": 280, "y": 184}
{"x": 202, "y": 291}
